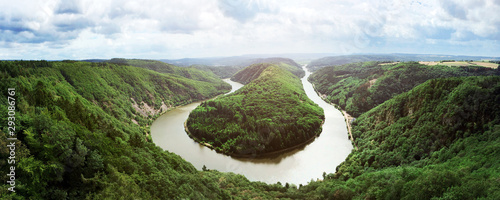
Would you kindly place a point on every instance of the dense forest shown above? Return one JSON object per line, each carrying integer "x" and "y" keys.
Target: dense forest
{"x": 76, "y": 135}
{"x": 226, "y": 67}
{"x": 222, "y": 71}
{"x": 359, "y": 87}
{"x": 439, "y": 140}
{"x": 269, "y": 114}
{"x": 76, "y": 138}
{"x": 193, "y": 72}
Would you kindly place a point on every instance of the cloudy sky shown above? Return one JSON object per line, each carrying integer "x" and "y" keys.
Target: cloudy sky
{"x": 171, "y": 29}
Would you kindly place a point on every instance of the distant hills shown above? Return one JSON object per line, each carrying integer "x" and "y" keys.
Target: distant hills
{"x": 228, "y": 61}
{"x": 346, "y": 59}
{"x": 318, "y": 60}
{"x": 315, "y": 60}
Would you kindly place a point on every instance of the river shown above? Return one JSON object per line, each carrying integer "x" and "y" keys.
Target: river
{"x": 299, "y": 166}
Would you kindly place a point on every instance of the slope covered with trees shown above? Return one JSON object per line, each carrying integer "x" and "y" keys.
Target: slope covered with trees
{"x": 187, "y": 72}
{"x": 269, "y": 114}
{"x": 76, "y": 139}
{"x": 439, "y": 140}
{"x": 359, "y": 87}
{"x": 221, "y": 71}
{"x": 252, "y": 72}
{"x": 226, "y": 67}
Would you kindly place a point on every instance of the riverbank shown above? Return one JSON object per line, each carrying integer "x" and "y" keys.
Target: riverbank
{"x": 347, "y": 117}
{"x": 298, "y": 166}
{"x": 348, "y": 120}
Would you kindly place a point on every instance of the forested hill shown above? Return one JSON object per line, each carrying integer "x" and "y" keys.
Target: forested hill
{"x": 359, "y": 87}
{"x": 77, "y": 132}
{"x": 241, "y": 61}
{"x": 269, "y": 114}
{"x": 252, "y": 72}
{"x": 187, "y": 72}
{"x": 439, "y": 140}
{"x": 221, "y": 71}
{"x": 276, "y": 61}
{"x": 346, "y": 59}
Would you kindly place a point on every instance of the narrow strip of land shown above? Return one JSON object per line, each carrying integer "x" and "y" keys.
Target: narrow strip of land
{"x": 348, "y": 119}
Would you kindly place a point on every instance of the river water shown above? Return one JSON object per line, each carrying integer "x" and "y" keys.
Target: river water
{"x": 299, "y": 166}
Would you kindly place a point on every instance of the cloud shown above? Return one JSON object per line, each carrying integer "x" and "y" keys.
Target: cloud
{"x": 471, "y": 19}
{"x": 14, "y": 25}
{"x": 71, "y": 22}
{"x": 454, "y": 9}
{"x": 178, "y": 28}
{"x": 68, "y": 7}
{"x": 242, "y": 10}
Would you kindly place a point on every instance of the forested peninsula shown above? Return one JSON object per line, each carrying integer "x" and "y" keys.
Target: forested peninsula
{"x": 270, "y": 114}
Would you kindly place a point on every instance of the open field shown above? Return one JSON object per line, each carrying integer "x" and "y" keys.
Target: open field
{"x": 487, "y": 64}
{"x": 461, "y": 63}
{"x": 428, "y": 63}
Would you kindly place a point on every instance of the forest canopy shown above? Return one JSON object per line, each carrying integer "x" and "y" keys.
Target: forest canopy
{"x": 271, "y": 113}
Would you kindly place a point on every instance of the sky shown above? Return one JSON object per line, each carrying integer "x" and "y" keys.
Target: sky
{"x": 173, "y": 29}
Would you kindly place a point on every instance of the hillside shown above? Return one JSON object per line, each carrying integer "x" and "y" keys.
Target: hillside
{"x": 187, "y": 72}
{"x": 269, "y": 114}
{"x": 359, "y": 87}
{"x": 222, "y": 72}
{"x": 252, "y": 72}
{"x": 228, "y": 66}
{"x": 440, "y": 139}
{"x": 77, "y": 137}
{"x": 241, "y": 61}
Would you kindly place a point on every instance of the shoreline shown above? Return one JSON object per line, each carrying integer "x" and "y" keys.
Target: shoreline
{"x": 347, "y": 116}
{"x": 348, "y": 119}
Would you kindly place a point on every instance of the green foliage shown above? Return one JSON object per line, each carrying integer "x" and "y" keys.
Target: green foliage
{"x": 221, "y": 71}
{"x": 347, "y": 59}
{"x": 75, "y": 136}
{"x": 269, "y": 114}
{"x": 412, "y": 126}
{"x": 446, "y": 128}
{"x": 187, "y": 72}
{"x": 252, "y": 72}
{"x": 436, "y": 140}
{"x": 359, "y": 87}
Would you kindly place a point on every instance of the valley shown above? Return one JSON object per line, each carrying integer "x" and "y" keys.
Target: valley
{"x": 113, "y": 129}
{"x": 296, "y": 167}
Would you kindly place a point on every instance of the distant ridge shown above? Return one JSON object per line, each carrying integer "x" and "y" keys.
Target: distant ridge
{"x": 253, "y": 71}
{"x": 346, "y": 59}
{"x": 244, "y": 60}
